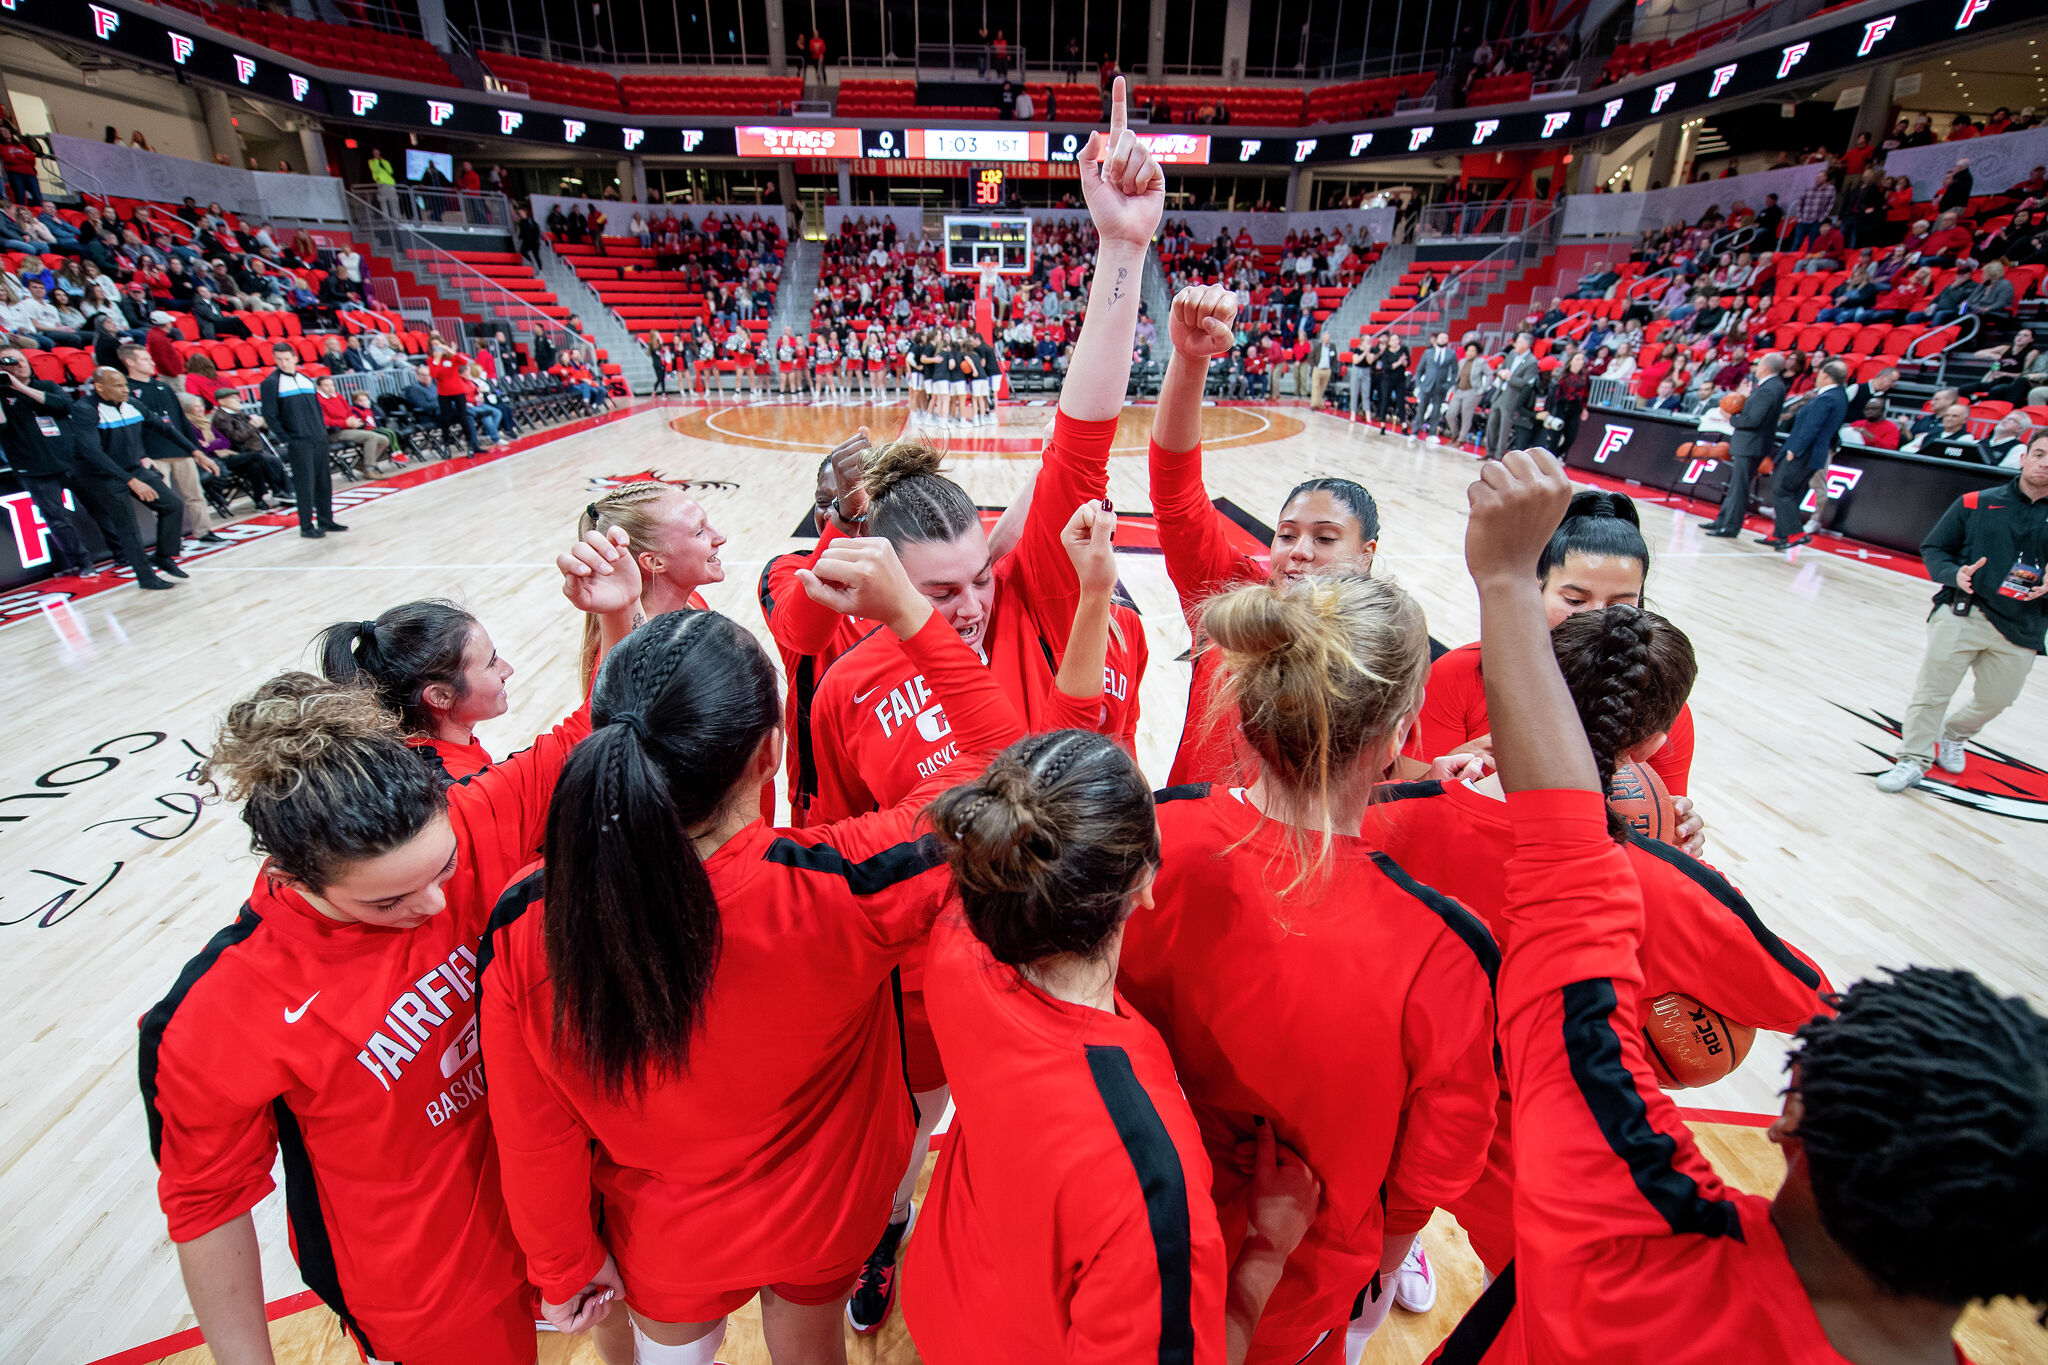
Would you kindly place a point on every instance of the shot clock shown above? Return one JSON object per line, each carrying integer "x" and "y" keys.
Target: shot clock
{"x": 988, "y": 188}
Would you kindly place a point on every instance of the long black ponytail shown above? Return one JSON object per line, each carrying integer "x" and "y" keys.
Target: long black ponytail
{"x": 402, "y": 653}
{"x": 632, "y": 931}
{"x": 1629, "y": 672}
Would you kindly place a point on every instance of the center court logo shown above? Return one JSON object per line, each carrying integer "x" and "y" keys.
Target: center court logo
{"x": 1991, "y": 781}
{"x": 1614, "y": 438}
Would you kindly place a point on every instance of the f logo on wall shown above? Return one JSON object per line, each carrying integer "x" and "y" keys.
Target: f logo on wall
{"x": 692, "y": 137}
{"x": 1484, "y": 129}
{"x": 509, "y": 121}
{"x": 439, "y": 112}
{"x": 634, "y": 137}
{"x": 1614, "y": 438}
{"x": 1248, "y": 149}
{"x": 1791, "y": 57}
{"x": 1873, "y": 33}
{"x": 1359, "y": 142}
{"x": 361, "y": 102}
{"x": 1663, "y": 96}
{"x": 1722, "y": 75}
{"x": 1607, "y": 114}
{"x": 1971, "y": 9}
{"x": 300, "y": 85}
{"x": 245, "y": 68}
{"x": 181, "y": 48}
{"x": 105, "y": 21}
{"x": 1553, "y": 122}
{"x": 1418, "y": 136}
{"x": 1305, "y": 148}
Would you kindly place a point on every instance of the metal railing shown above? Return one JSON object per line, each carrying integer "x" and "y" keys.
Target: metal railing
{"x": 409, "y": 247}
{"x": 1368, "y": 66}
{"x": 440, "y": 208}
{"x": 1481, "y": 218}
{"x": 1475, "y": 280}
{"x": 980, "y": 58}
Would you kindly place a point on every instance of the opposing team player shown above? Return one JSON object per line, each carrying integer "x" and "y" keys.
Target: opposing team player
{"x": 335, "y": 1021}
{"x": 1915, "y": 1126}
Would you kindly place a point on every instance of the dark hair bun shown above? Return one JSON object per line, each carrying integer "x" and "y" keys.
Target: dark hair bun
{"x": 1597, "y": 502}
{"x": 898, "y": 462}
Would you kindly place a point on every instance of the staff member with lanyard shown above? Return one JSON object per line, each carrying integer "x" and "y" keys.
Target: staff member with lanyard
{"x": 34, "y": 442}
{"x": 1988, "y": 552}
{"x": 291, "y": 408}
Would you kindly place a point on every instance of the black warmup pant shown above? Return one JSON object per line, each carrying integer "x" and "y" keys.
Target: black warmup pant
{"x": 67, "y": 546}
{"x": 313, "y": 479}
{"x": 112, "y": 504}
{"x": 1735, "y": 501}
{"x": 455, "y": 407}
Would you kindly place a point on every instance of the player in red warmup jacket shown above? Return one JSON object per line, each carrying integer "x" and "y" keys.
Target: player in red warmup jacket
{"x": 335, "y": 1020}
{"x": 877, "y": 728}
{"x": 1596, "y": 558}
{"x": 810, "y": 636}
{"x": 1700, "y": 936}
{"x": 673, "y": 541}
{"x": 435, "y": 668}
{"x": 1304, "y": 979}
{"x": 1068, "y": 1218}
{"x": 687, "y": 1014}
{"x": 1915, "y": 1129}
{"x": 1326, "y": 526}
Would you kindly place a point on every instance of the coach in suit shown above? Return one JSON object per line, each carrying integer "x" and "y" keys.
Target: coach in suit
{"x": 1433, "y": 377}
{"x": 1756, "y": 431}
{"x": 1515, "y": 397}
{"x": 1806, "y": 450}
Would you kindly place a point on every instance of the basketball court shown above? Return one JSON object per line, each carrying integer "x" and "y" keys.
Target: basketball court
{"x": 115, "y": 868}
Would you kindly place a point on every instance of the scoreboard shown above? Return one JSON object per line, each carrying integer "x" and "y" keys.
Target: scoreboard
{"x": 988, "y": 188}
{"x": 974, "y": 243}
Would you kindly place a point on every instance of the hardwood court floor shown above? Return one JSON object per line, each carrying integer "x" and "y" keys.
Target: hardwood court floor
{"x": 112, "y": 874}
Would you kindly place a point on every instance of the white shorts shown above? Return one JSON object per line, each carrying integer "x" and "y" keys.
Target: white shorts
{"x": 978, "y": 387}
{"x": 916, "y": 379}
{"x": 957, "y": 388}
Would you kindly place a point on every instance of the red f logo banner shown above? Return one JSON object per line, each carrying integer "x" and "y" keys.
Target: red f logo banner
{"x": 572, "y": 128}
{"x": 1484, "y": 129}
{"x": 361, "y": 102}
{"x": 1359, "y": 142}
{"x": 1971, "y": 9}
{"x": 1873, "y": 33}
{"x": 300, "y": 85}
{"x": 439, "y": 112}
{"x": 1663, "y": 96}
{"x": 1613, "y": 439}
{"x": 1722, "y": 75}
{"x": 245, "y": 69}
{"x": 1553, "y": 122}
{"x": 509, "y": 121}
{"x": 634, "y": 137}
{"x": 1791, "y": 57}
{"x": 105, "y": 21}
{"x": 181, "y": 48}
{"x": 1418, "y": 136}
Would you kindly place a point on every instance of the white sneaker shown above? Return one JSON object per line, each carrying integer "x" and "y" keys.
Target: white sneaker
{"x": 1949, "y": 755}
{"x": 1415, "y": 1282}
{"x": 1812, "y": 525}
{"x": 1907, "y": 772}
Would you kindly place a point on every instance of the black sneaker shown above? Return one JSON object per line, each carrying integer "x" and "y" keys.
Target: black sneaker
{"x": 874, "y": 1294}
{"x": 170, "y": 566}
{"x": 332, "y": 526}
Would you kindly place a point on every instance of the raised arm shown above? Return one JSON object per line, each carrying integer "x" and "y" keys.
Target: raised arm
{"x": 1076, "y": 700}
{"x": 1125, "y": 190}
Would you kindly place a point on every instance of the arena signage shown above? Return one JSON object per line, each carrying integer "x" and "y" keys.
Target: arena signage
{"x": 1810, "y": 52}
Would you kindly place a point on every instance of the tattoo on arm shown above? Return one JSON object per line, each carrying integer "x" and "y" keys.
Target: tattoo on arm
{"x": 1117, "y": 292}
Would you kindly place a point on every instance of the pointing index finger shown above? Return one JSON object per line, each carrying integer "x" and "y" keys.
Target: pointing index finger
{"x": 1118, "y": 120}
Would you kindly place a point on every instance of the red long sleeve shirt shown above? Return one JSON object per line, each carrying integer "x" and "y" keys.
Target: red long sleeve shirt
{"x": 447, "y": 370}
{"x": 354, "y": 1049}
{"x": 876, "y": 728}
{"x": 1068, "y": 1218}
{"x": 1628, "y": 1246}
{"x": 810, "y": 638}
{"x": 1700, "y": 937}
{"x": 1263, "y": 999}
{"x": 1454, "y": 711}
{"x": 457, "y": 760}
{"x": 1201, "y": 561}
{"x": 775, "y": 1157}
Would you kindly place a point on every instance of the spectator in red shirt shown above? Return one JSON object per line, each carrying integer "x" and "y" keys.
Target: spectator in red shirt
{"x": 1876, "y": 429}
{"x": 343, "y": 425}
{"x": 446, "y": 364}
{"x": 1858, "y": 156}
{"x": 469, "y": 182}
{"x": 1949, "y": 242}
{"x": 161, "y": 339}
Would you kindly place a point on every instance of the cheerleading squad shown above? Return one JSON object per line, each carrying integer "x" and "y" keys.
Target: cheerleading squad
{"x": 949, "y": 374}
{"x": 1216, "y": 1053}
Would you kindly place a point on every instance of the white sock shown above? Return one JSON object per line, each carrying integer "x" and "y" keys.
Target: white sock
{"x": 702, "y": 1351}
{"x": 1379, "y": 1301}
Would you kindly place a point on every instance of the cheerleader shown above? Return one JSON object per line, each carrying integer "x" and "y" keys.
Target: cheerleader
{"x": 1629, "y": 672}
{"x": 910, "y": 355}
{"x": 673, "y": 543}
{"x": 335, "y": 1022}
{"x": 1596, "y": 558}
{"x": 739, "y": 360}
{"x": 1304, "y": 979}
{"x": 786, "y": 362}
{"x": 1913, "y": 1123}
{"x": 1325, "y": 526}
{"x": 878, "y": 368}
{"x": 703, "y": 359}
{"x": 761, "y": 375}
{"x": 687, "y": 1012}
{"x": 435, "y": 669}
{"x": 822, "y": 356}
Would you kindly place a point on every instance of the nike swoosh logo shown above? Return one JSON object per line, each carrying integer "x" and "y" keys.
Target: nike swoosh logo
{"x": 860, "y": 697}
{"x": 293, "y": 1016}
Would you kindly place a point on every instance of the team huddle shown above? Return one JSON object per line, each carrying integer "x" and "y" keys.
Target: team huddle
{"x": 1216, "y": 1053}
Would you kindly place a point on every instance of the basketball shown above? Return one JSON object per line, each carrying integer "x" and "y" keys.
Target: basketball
{"x": 1637, "y": 794}
{"x": 1731, "y": 404}
{"x": 1689, "y": 1044}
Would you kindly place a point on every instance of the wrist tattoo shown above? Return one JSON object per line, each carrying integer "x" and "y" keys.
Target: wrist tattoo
{"x": 1116, "y": 293}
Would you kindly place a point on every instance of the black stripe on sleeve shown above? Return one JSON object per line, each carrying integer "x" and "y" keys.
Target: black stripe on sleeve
{"x": 767, "y": 597}
{"x": 522, "y": 895}
{"x": 1405, "y": 791}
{"x": 1164, "y": 1185}
{"x": 1186, "y": 791}
{"x": 435, "y": 765}
{"x": 1715, "y": 885}
{"x": 1470, "y": 929}
{"x": 312, "y": 1247}
{"x": 159, "y": 1017}
{"x": 870, "y": 876}
{"x": 1609, "y": 1090}
{"x": 1482, "y": 1324}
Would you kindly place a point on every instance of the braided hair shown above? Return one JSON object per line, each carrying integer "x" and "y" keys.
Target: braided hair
{"x": 1925, "y": 1127}
{"x": 910, "y": 501}
{"x": 1047, "y": 845}
{"x": 634, "y": 508}
{"x": 632, "y": 931}
{"x": 1629, "y": 672}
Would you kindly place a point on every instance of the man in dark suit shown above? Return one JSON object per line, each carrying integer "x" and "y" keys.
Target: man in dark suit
{"x": 1805, "y": 452}
{"x": 1756, "y": 431}
{"x": 1515, "y": 396}
{"x": 1432, "y": 381}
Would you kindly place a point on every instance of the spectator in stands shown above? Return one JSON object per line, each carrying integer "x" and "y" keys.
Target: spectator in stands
{"x": 816, "y": 49}
{"x": 492, "y": 409}
{"x": 1026, "y": 109}
{"x": 1827, "y": 251}
{"x": 1991, "y": 300}
{"x": 202, "y": 378}
{"x": 637, "y": 226}
{"x": 2008, "y": 440}
{"x": 451, "y": 391}
{"x": 1956, "y": 186}
{"x": 1952, "y": 438}
{"x": 257, "y": 469}
{"x": 1668, "y": 398}
{"x": 597, "y": 222}
{"x": 1811, "y": 210}
{"x": 365, "y": 407}
{"x": 382, "y": 355}
{"x": 1948, "y": 243}
{"x": 1905, "y": 297}
{"x": 168, "y": 439}
{"x": 210, "y": 320}
{"x": 344, "y": 427}
{"x": 18, "y": 160}
{"x": 1803, "y": 457}
{"x": 579, "y": 379}
{"x": 1874, "y": 429}
{"x": 1961, "y": 130}
{"x": 2020, "y": 373}
{"x": 419, "y": 395}
{"x": 1852, "y": 297}
{"x": 1878, "y": 386}
{"x": 576, "y": 227}
{"x": 162, "y": 340}
{"x": 526, "y": 233}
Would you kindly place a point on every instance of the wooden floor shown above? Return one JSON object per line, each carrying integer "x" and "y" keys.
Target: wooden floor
{"x": 109, "y": 880}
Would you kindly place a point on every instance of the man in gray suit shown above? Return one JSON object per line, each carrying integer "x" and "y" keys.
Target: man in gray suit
{"x": 1433, "y": 377}
{"x": 1755, "y": 436}
{"x": 1515, "y": 396}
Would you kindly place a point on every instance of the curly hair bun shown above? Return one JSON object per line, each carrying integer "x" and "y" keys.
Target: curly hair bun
{"x": 1007, "y": 837}
{"x": 897, "y": 462}
{"x": 274, "y": 740}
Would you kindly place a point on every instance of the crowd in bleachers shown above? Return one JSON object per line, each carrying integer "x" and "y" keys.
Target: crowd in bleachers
{"x": 1503, "y": 70}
